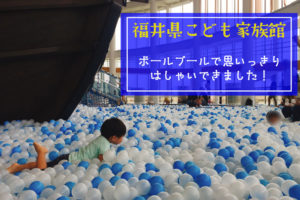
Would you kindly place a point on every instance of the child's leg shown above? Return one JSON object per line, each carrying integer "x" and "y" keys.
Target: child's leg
{"x": 41, "y": 158}
{"x": 17, "y": 167}
{"x": 40, "y": 162}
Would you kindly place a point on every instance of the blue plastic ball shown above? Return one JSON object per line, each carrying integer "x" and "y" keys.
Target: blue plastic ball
{"x": 269, "y": 147}
{"x": 131, "y": 132}
{"x": 156, "y": 179}
{"x": 264, "y": 182}
{"x": 120, "y": 148}
{"x": 193, "y": 170}
{"x": 127, "y": 175}
{"x": 285, "y": 176}
{"x": 52, "y": 186}
{"x": 66, "y": 164}
{"x": 224, "y": 153}
{"x": 220, "y": 167}
{"x": 178, "y": 165}
{"x": 116, "y": 168}
{"x": 171, "y": 143}
{"x": 271, "y": 129}
{"x": 188, "y": 164}
{"x": 203, "y": 180}
{"x": 44, "y": 129}
{"x": 231, "y": 150}
{"x": 204, "y": 130}
{"x": 269, "y": 155}
{"x": 175, "y": 125}
{"x": 157, "y": 144}
{"x": 213, "y": 135}
{"x": 96, "y": 181}
{"x": 260, "y": 152}
{"x": 114, "y": 179}
{"x": 74, "y": 138}
{"x": 250, "y": 168}
{"x": 105, "y": 165}
{"x": 215, "y": 145}
{"x": 241, "y": 175}
{"x": 254, "y": 155}
{"x": 254, "y": 136}
{"x": 16, "y": 149}
{"x": 294, "y": 191}
{"x": 168, "y": 122}
{"x": 68, "y": 141}
{"x": 59, "y": 146}
{"x": 84, "y": 164}
{"x": 231, "y": 134}
{"x": 53, "y": 155}
{"x": 70, "y": 185}
{"x": 146, "y": 137}
{"x": 21, "y": 161}
{"x": 156, "y": 188}
{"x": 29, "y": 140}
{"x": 150, "y": 166}
{"x": 286, "y": 157}
{"x": 145, "y": 176}
{"x": 37, "y": 187}
{"x": 247, "y": 160}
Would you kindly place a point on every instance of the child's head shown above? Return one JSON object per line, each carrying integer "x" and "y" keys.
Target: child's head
{"x": 273, "y": 117}
{"x": 113, "y": 130}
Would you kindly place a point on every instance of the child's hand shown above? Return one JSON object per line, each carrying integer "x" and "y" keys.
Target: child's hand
{"x": 100, "y": 157}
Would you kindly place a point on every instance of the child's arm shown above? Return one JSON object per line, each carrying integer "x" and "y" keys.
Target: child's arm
{"x": 100, "y": 157}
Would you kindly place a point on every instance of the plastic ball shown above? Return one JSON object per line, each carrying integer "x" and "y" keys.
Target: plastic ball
{"x": 131, "y": 133}
{"x": 220, "y": 167}
{"x": 144, "y": 175}
{"x": 246, "y": 161}
{"x": 37, "y": 187}
{"x": 116, "y": 168}
{"x": 103, "y": 166}
{"x": 193, "y": 170}
{"x": 79, "y": 191}
{"x": 156, "y": 188}
{"x": 224, "y": 153}
{"x": 84, "y": 164}
{"x": 143, "y": 187}
{"x": 127, "y": 175}
{"x": 178, "y": 165}
{"x": 114, "y": 179}
{"x": 28, "y": 195}
{"x": 96, "y": 181}
{"x": 53, "y": 155}
{"x": 156, "y": 179}
{"x": 203, "y": 180}
{"x": 241, "y": 175}
{"x": 294, "y": 191}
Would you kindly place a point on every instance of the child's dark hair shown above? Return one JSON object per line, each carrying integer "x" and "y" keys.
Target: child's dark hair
{"x": 272, "y": 114}
{"x": 113, "y": 127}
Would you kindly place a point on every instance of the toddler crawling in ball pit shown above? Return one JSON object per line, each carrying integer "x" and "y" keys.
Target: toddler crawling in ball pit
{"x": 112, "y": 131}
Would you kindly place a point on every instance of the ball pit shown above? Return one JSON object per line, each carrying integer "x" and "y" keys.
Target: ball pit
{"x": 169, "y": 152}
